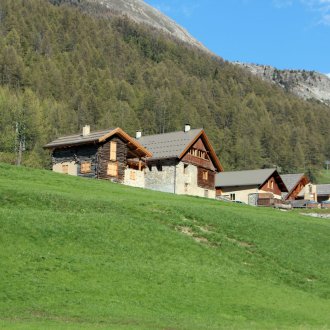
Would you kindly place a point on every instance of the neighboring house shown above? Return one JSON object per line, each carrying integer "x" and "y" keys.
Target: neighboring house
{"x": 110, "y": 154}
{"x": 295, "y": 184}
{"x": 308, "y": 193}
{"x": 323, "y": 192}
{"x": 182, "y": 162}
{"x": 315, "y": 192}
{"x": 254, "y": 187}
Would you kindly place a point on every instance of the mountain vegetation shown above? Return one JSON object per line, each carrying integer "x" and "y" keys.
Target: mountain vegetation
{"x": 89, "y": 254}
{"x": 61, "y": 68}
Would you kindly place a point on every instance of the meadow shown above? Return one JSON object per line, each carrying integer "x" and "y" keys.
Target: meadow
{"x": 323, "y": 177}
{"x": 86, "y": 254}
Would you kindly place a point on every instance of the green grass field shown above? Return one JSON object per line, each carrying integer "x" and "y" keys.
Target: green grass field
{"x": 87, "y": 254}
{"x": 323, "y": 176}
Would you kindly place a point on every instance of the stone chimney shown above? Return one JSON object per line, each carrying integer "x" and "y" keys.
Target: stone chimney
{"x": 187, "y": 128}
{"x": 86, "y": 130}
{"x": 138, "y": 134}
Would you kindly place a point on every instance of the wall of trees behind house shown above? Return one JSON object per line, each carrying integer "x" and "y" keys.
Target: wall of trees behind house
{"x": 61, "y": 68}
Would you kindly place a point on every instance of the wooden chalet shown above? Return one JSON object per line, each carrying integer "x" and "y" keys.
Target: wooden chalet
{"x": 109, "y": 154}
{"x": 255, "y": 187}
{"x": 295, "y": 184}
{"x": 183, "y": 162}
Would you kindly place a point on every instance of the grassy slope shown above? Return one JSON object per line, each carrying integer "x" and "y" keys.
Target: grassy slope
{"x": 323, "y": 177}
{"x": 83, "y": 254}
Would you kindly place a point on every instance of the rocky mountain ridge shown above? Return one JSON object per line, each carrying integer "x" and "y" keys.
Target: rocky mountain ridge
{"x": 305, "y": 84}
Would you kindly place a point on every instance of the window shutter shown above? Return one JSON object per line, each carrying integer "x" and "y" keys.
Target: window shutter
{"x": 85, "y": 167}
{"x": 113, "y": 150}
{"x": 112, "y": 169}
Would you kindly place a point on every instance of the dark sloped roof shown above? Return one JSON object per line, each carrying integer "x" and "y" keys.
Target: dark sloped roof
{"x": 98, "y": 137}
{"x": 291, "y": 180}
{"x": 168, "y": 145}
{"x": 78, "y": 139}
{"x": 323, "y": 189}
{"x": 243, "y": 178}
{"x": 176, "y": 145}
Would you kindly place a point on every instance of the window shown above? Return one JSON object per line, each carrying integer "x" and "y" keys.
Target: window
{"x": 205, "y": 175}
{"x": 132, "y": 175}
{"x": 112, "y": 169}
{"x": 65, "y": 168}
{"x": 197, "y": 153}
{"x": 232, "y": 197}
{"x": 85, "y": 167}
{"x": 185, "y": 168}
{"x": 206, "y": 193}
{"x": 113, "y": 150}
{"x": 272, "y": 185}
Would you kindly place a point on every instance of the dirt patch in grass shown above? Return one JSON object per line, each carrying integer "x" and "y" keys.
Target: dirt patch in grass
{"x": 206, "y": 229}
{"x": 240, "y": 243}
{"x": 189, "y": 232}
{"x": 186, "y": 230}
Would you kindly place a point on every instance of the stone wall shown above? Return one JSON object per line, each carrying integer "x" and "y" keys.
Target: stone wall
{"x": 134, "y": 178}
{"x": 160, "y": 178}
{"x": 72, "y": 168}
{"x": 185, "y": 176}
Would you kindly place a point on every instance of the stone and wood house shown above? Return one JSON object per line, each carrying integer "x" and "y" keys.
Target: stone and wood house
{"x": 262, "y": 187}
{"x": 109, "y": 154}
{"x": 182, "y": 162}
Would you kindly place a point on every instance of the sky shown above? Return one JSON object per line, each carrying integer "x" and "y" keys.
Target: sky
{"x": 287, "y": 34}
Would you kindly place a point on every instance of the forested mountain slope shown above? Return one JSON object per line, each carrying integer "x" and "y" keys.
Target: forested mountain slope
{"x": 61, "y": 68}
{"x": 137, "y": 10}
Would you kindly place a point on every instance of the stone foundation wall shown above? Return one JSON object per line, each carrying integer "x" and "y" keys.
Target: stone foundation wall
{"x": 134, "y": 178}
{"x": 72, "y": 168}
{"x": 161, "y": 178}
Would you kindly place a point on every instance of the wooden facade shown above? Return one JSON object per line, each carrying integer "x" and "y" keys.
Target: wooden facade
{"x": 205, "y": 178}
{"x": 108, "y": 160}
{"x": 198, "y": 155}
{"x": 102, "y": 155}
{"x": 271, "y": 185}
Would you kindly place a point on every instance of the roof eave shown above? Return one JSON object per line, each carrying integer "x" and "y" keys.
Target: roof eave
{"x": 67, "y": 145}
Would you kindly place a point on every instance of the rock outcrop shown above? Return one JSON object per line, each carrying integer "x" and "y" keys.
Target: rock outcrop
{"x": 305, "y": 84}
